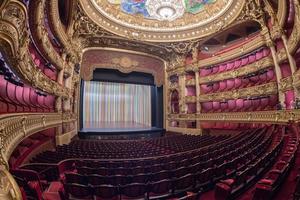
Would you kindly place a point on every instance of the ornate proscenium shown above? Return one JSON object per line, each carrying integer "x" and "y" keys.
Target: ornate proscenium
{"x": 166, "y": 9}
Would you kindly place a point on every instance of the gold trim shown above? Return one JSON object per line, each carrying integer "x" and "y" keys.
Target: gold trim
{"x": 269, "y": 117}
{"x": 163, "y": 36}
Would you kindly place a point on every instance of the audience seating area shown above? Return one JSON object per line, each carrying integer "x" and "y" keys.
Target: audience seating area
{"x": 248, "y": 174}
{"x": 15, "y": 96}
{"x": 269, "y": 185}
{"x": 237, "y": 63}
{"x": 232, "y": 162}
{"x": 126, "y": 149}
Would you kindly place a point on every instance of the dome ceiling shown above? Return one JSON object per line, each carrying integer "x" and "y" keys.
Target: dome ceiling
{"x": 163, "y": 20}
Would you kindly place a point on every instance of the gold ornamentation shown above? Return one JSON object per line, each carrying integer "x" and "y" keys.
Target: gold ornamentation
{"x": 125, "y": 64}
{"x": 114, "y": 59}
{"x": 190, "y": 99}
{"x": 190, "y": 82}
{"x": 266, "y": 117}
{"x": 286, "y": 84}
{"x": 188, "y": 27}
{"x": 265, "y": 89}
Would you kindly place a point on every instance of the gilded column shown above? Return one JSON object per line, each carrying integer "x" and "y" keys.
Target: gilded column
{"x": 291, "y": 62}
{"x": 278, "y": 73}
{"x": 198, "y": 92}
{"x": 182, "y": 104}
{"x": 181, "y": 81}
{"x": 60, "y": 77}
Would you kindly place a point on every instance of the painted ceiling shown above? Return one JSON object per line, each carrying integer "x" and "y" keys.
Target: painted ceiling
{"x": 163, "y": 20}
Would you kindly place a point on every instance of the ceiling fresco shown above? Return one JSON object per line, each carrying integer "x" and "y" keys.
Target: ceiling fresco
{"x": 163, "y": 20}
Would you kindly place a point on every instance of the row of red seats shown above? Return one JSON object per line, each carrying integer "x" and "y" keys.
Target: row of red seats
{"x": 230, "y": 148}
{"x": 238, "y": 83}
{"x": 247, "y": 175}
{"x": 270, "y": 184}
{"x": 241, "y": 105}
{"x": 83, "y": 149}
{"x": 166, "y": 189}
{"x": 190, "y": 178}
{"x": 18, "y": 98}
{"x": 39, "y": 61}
{"x": 235, "y": 64}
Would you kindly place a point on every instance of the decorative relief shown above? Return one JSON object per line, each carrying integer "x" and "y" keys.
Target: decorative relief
{"x": 71, "y": 44}
{"x": 190, "y": 82}
{"x": 124, "y": 61}
{"x": 189, "y": 27}
{"x": 41, "y": 35}
{"x": 190, "y": 99}
{"x": 265, "y": 89}
{"x": 125, "y": 64}
{"x": 272, "y": 117}
{"x": 173, "y": 86}
{"x": 13, "y": 128}
{"x": 17, "y": 54}
{"x": 254, "y": 67}
{"x": 286, "y": 84}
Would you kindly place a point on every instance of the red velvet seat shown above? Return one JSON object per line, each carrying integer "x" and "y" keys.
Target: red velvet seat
{"x": 160, "y": 189}
{"x": 78, "y": 191}
{"x": 184, "y": 183}
{"x": 106, "y": 192}
{"x": 133, "y": 191}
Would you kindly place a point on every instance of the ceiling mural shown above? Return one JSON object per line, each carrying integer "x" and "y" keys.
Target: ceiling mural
{"x": 161, "y": 10}
{"x": 163, "y": 21}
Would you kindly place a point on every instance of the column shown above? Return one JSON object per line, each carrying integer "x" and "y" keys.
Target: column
{"x": 182, "y": 104}
{"x": 291, "y": 62}
{"x": 198, "y": 92}
{"x": 182, "y": 93}
{"x": 197, "y": 80}
{"x": 60, "y": 77}
{"x": 278, "y": 73}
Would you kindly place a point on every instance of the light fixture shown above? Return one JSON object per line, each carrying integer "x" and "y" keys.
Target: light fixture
{"x": 165, "y": 9}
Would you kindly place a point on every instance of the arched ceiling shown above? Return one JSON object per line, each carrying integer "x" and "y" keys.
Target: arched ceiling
{"x": 163, "y": 21}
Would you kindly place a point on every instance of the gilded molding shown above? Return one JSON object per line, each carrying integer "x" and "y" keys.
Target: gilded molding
{"x": 264, "y": 89}
{"x": 189, "y": 27}
{"x": 246, "y": 48}
{"x": 286, "y": 84}
{"x": 190, "y": 82}
{"x": 253, "y": 67}
{"x": 122, "y": 60}
{"x": 17, "y": 126}
{"x": 59, "y": 31}
{"x": 190, "y": 99}
{"x": 269, "y": 117}
{"x": 15, "y": 45}
{"x": 43, "y": 40}
{"x": 173, "y": 86}
{"x": 9, "y": 188}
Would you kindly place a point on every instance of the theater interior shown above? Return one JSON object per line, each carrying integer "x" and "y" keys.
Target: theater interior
{"x": 149, "y": 99}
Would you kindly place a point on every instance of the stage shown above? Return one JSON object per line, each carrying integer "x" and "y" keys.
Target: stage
{"x": 120, "y": 130}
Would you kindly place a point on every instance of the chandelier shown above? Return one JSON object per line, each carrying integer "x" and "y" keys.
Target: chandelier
{"x": 165, "y": 9}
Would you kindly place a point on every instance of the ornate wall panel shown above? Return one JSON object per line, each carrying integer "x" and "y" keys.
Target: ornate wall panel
{"x": 124, "y": 61}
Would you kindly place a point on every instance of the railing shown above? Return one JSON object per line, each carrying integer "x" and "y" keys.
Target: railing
{"x": 269, "y": 117}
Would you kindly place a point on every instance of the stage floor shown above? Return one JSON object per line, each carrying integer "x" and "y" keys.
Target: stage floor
{"x": 121, "y": 129}
{"x": 117, "y": 126}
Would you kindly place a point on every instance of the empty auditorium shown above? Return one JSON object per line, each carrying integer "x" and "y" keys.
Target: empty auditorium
{"x": 149, "y": 99}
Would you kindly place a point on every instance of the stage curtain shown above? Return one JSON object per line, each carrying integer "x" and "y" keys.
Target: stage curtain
{"x": 109, "y": 103}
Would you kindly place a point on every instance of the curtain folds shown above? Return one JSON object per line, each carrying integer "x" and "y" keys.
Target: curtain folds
{"x": 105, "y": 103}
